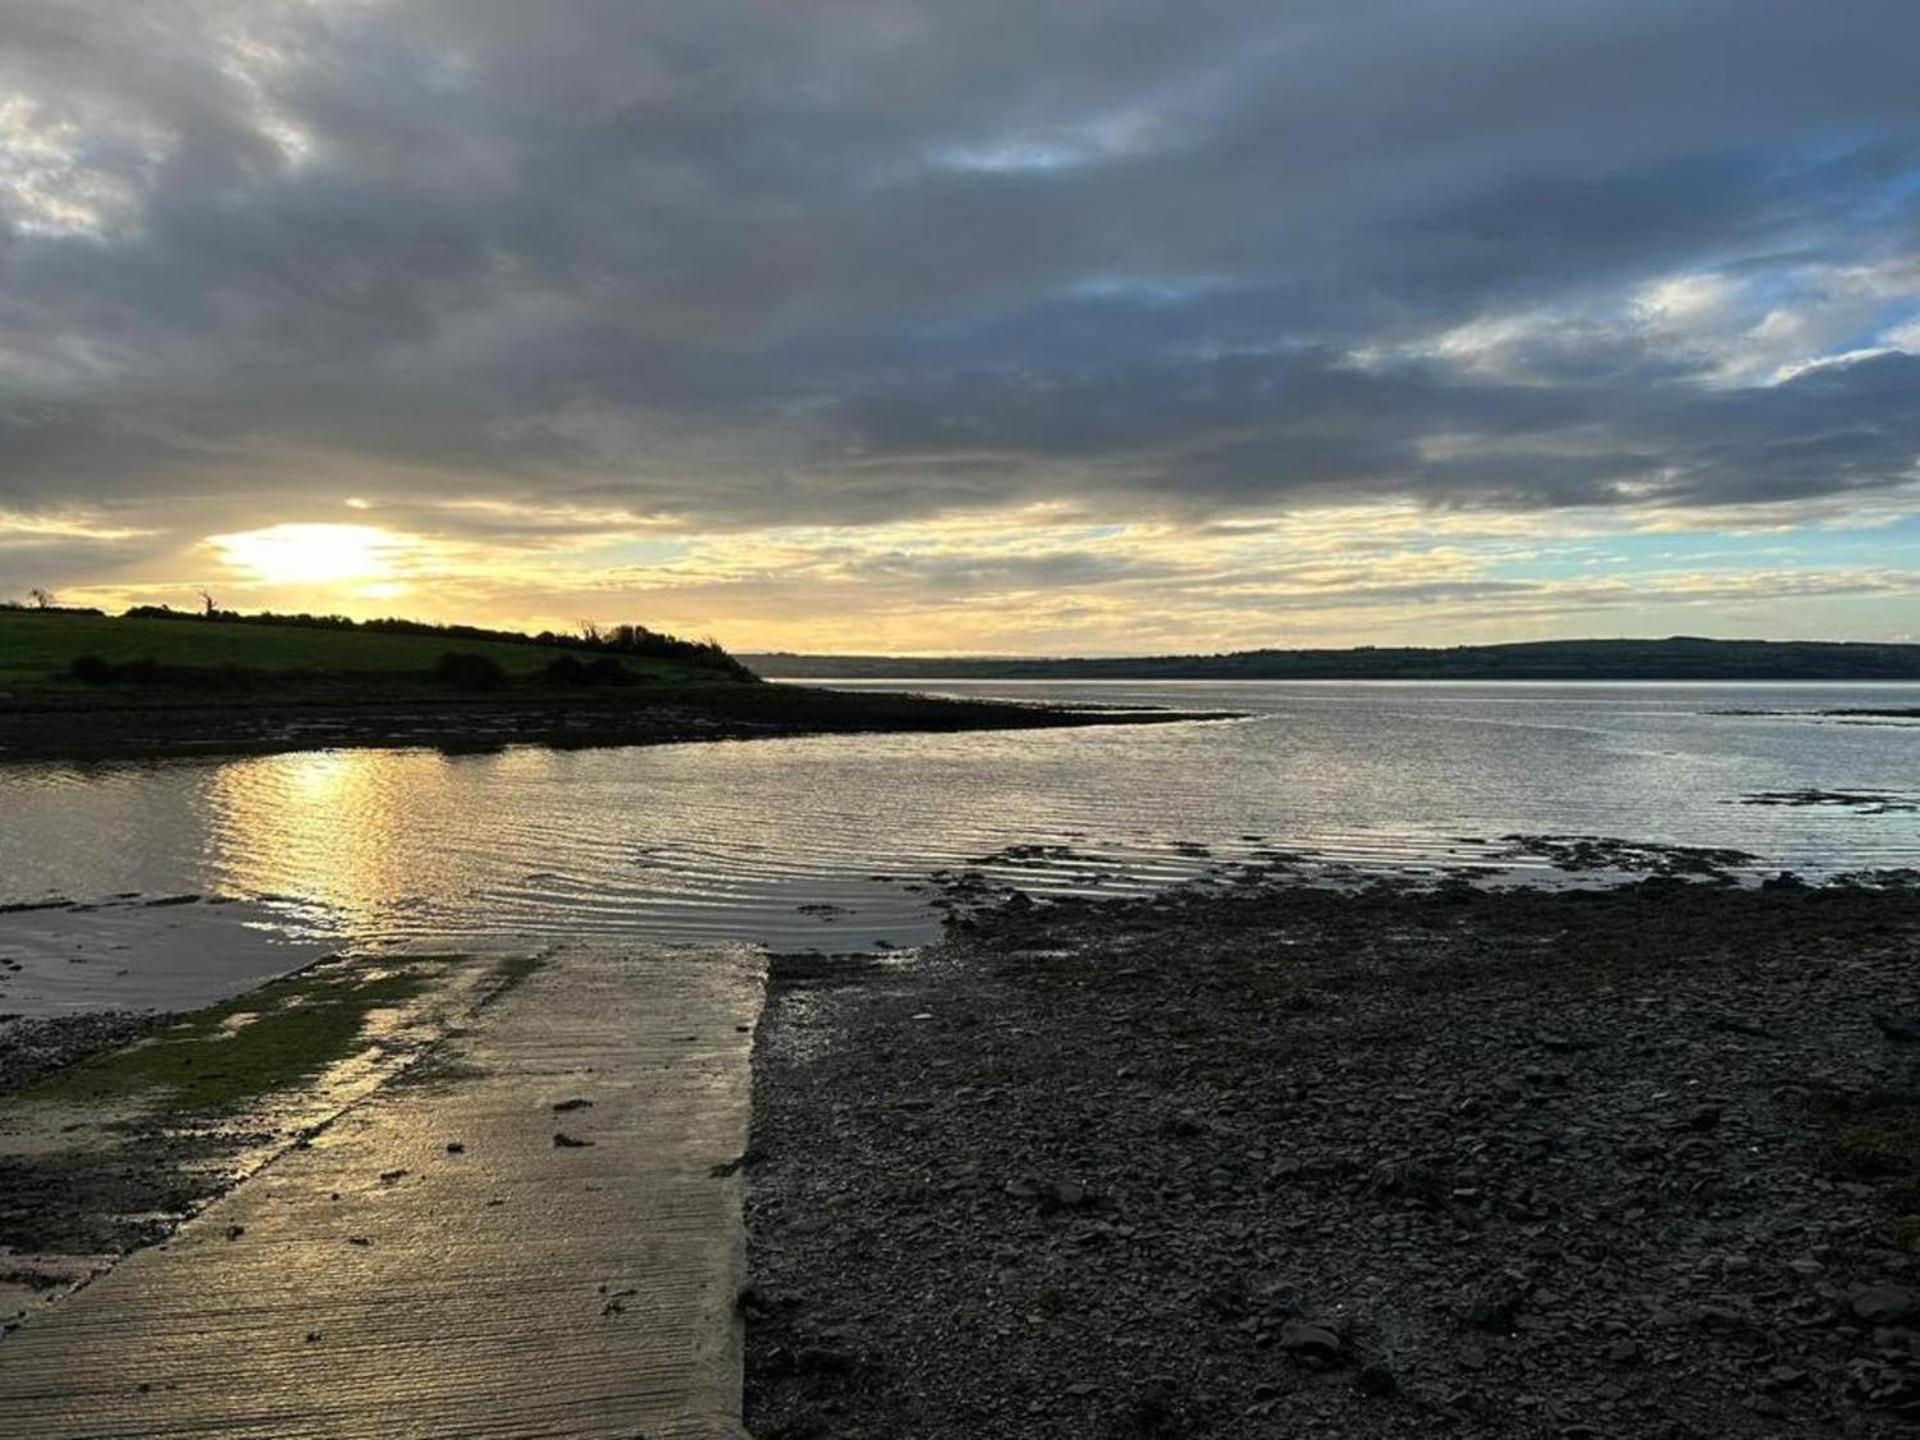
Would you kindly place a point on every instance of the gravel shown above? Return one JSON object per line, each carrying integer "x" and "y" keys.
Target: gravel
{"x": 1295, "y": 1161}
{"x": 33, "y": 1048}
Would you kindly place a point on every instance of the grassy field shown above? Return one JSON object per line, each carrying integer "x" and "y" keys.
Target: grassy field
{"x": 37, "y": 649}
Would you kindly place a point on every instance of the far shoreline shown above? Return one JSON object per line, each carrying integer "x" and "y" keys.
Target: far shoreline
{"x": 1673, "y": 659}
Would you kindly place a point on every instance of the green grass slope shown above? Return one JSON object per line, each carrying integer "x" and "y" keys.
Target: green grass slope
{"x": 37, "y": 649}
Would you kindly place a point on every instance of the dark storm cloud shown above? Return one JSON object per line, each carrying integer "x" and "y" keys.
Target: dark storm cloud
{"x": 751, "y": 264}
{"x": 1240, "y": 431}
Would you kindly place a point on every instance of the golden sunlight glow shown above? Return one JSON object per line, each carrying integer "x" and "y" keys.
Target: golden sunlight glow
{"x": 314, "y": 554}
{"x": 324, "y": 826}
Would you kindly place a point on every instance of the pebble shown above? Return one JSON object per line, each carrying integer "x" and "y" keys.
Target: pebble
{"x": 1494, "y": 1202}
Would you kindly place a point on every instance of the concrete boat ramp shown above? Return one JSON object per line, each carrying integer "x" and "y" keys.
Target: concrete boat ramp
{"x": 471, "y": 1251}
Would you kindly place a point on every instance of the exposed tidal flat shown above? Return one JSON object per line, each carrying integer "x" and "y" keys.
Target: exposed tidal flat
{"x": 1388, "y": 1057}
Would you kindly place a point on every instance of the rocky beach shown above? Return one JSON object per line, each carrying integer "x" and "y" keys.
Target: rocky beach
{"x": 1295, "y": 1160}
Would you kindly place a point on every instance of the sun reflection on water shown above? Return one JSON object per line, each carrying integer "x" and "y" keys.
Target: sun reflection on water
{"x": 339, "y": 830}
{"x": 830, "y": 841}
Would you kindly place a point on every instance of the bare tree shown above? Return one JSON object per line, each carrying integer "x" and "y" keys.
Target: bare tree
{"x": 590, "y": 631}
{"x": 208, "y": 606}
{"x": 43, "y": 598}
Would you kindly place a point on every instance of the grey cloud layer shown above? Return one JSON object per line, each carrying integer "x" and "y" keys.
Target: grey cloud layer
{"x": 751, "y": 264}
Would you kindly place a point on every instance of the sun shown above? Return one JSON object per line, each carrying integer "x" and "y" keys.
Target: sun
{"x": 313, "y": 554}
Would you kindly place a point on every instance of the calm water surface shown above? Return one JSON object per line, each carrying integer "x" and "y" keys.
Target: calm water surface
{"x": 700, "y": 841}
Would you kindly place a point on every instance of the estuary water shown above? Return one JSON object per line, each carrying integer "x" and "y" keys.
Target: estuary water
{"x": 830, "y": 842}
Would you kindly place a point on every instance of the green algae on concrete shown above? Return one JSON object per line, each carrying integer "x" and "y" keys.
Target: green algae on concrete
{"x": 433, "y": 1264}
{"x": 275, "y": 1038}
{"x": 112, "y": 1152}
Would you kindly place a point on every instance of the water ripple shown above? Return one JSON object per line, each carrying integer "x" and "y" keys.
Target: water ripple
{"x": 701, "y": 842}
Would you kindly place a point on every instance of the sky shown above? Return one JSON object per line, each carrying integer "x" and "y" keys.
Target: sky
{"x": 1092, "y": 327}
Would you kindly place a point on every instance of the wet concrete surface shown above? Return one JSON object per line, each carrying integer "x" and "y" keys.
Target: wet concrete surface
{"x": 468, "y": 1252}
{"x": 144, "y": 1120}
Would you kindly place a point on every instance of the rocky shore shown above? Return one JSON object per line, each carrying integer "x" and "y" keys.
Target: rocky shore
{"x": 1289, "y": 1161}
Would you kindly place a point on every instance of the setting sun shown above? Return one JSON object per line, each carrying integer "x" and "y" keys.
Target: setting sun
{"x": 313, "y": 554}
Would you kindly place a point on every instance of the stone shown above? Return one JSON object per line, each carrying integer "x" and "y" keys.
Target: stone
{"x": 1490, "y": 1312}
{"x": 1376, "y": 1380}
{"x": 1624, "y": 1352}
{"x": 823, "y": 1360}
{"x": 1069, "y": 1194}
{"x": 1312, "y": 1342}
{"x": 1900, "y": 1029}
{"x": 1885, "y": 1305}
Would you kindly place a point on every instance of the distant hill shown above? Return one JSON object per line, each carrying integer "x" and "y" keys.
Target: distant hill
{"x": 1677, "y": 658}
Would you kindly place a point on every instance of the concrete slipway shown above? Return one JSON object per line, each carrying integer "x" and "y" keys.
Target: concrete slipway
{"x": 446, "y": 1260}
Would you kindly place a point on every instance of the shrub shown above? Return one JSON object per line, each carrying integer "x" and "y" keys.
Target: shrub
{"x": 608, "y": 671}
{"x": 464, "y": 670}
{"x": 565, "y": 672}
{"x": 91, "y": 669}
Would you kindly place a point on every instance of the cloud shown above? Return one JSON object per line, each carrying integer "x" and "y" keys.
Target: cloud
{"x": 537, "y": 280}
